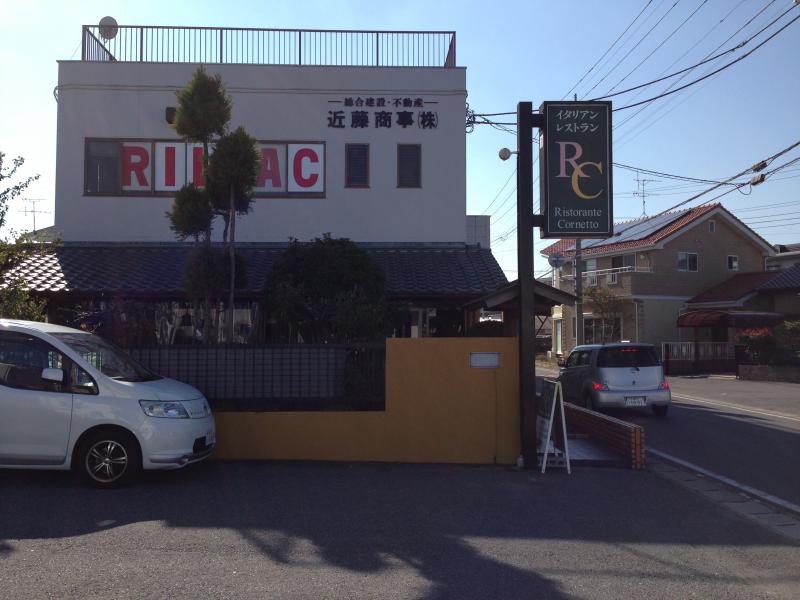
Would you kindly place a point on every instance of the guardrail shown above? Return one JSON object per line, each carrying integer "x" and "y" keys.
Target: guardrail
{"x": 320, "y": 47}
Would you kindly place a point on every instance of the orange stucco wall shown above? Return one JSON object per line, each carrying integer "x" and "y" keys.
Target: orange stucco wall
{"x": 438, "y": 410}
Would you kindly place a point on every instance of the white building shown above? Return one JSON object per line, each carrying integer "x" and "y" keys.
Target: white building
{"x": 362, "y": 136}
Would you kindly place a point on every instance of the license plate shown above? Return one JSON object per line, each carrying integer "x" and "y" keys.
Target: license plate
{"x": 634, "y": 400}
{"x": 211, "y": 438}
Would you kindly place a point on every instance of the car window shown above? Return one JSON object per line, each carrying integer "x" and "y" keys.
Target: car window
{"x": 22, "y": 359}
{"x": 633, "y": 356}
{"x": 573, "y": 359}
{"x": 82, "y": 382}
{"x": 106, "y": 358}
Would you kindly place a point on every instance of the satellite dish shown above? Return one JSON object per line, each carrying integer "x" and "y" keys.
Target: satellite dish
{"x": 556, "y": 260}
{"x": 108, "y": 28}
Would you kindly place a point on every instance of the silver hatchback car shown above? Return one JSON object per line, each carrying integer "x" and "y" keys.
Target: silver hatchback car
{"x": 616, "y": 375}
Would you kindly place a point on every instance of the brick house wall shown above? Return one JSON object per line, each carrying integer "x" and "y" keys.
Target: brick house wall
{"x": 653, "y": 300}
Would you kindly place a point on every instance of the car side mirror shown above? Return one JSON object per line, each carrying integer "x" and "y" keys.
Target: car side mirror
{"x": 55, "y": 375}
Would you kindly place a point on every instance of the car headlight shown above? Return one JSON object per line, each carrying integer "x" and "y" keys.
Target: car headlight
{"x": 168, "y": 410}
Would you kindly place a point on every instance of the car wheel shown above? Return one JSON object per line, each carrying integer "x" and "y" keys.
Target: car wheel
{"x": 109, "y": 458}
{"x": 660, "y": 410}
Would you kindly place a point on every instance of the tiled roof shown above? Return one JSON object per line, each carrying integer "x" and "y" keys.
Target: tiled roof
{"x": 634, "y": 234}
{"x": 788, "y": 279}
{"x": 736, "y": 287}
{"x": 156, "y": 269}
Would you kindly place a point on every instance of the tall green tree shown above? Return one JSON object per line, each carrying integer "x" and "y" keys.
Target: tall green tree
{"x": 15, "y": 300}
{"x": 202, "y": 115}
{"x": 232, "y": 172}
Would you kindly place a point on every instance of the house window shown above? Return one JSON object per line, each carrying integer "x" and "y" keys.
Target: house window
{"x": 599, "y": 331}
{"x": 590, "y": 270}
{"x": 409, "y": 165}
{"x": 733, "y": 262}
{"x": 627, "y": 260}
{"x": 557, "y": 334}
{"x": 712, "y": 226}
{"x": 356, "y": 171}
{"x": 687, "y": 261}
{"x": 102, "y": 167}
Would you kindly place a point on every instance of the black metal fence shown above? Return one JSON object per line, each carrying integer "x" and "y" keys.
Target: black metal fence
{"x": 277, "y": 377}
{"x": 135, "y": 43}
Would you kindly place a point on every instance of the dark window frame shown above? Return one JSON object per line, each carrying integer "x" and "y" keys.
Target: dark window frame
{"x": 688, "y": 268}
{"x": 735, "y": 267}
{"x": 347, "y": 183}
{"x": 171, "y": 194}
{"x": 419, "y": 167}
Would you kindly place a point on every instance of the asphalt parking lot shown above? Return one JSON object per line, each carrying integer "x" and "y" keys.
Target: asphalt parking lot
{"x": 299, "y": 530}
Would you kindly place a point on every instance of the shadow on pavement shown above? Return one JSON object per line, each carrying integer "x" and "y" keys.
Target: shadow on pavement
{"x": 457, "y": 527}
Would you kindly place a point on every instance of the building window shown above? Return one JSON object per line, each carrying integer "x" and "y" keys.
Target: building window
{"x": 600, "y": 331}
{"x": 733, "y": 262}
{"x": 356, "y": 170}
{"x": 590, "y": 271}
{"x": 628, "y": 260}
{"x": 102, "y": 167}
{"x": 712, "y": 226}
{"x": 687, "y": 261}
{"x": 409, "y": 165}
{"x": 557, "y": 335}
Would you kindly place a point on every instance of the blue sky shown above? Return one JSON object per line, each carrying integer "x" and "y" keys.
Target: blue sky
{"x": 513, "y": 51}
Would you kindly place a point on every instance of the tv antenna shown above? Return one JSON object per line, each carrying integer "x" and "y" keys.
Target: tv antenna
{"x": 640, "y": 191}
{"x": 33, "y": 210}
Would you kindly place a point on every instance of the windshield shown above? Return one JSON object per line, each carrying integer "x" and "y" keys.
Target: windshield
{"x": 106, "y": 358}
{"x": 633, "y": 356}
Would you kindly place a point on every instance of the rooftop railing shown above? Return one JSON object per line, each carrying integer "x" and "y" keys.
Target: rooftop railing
{"x": 135, "y": 43}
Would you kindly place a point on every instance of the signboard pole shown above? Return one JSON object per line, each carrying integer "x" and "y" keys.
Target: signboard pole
{"x": 578, "y": 294}
{"x": 576, "y": 198}
{"x": 527, "y": 299}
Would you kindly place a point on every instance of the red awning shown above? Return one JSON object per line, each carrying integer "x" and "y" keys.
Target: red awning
{"x": 739, "y": 319}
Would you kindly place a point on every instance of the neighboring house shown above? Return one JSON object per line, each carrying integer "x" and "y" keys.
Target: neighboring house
{"x": 746, "y": 300}
{"x": 650, "y": 268}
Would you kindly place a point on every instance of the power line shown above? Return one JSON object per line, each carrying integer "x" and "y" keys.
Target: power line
{"x": 501, "y": 191}
{"x": 651, "y": 121}
{"x": 663, "y": 174}
{"x": 619, "y": 37}
{"x": 701, "y": 39}
{"x": 664, "y": 41}
{"x": 760, "y": 218}
{"x": 698, "y": 80}
{"x": 643, "y": 38}
{"x": 793, "y": 223}
{"x": 698, "y": 64}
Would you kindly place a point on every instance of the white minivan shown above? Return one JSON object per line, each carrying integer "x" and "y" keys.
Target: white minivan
{"x": 71, "y": 400}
